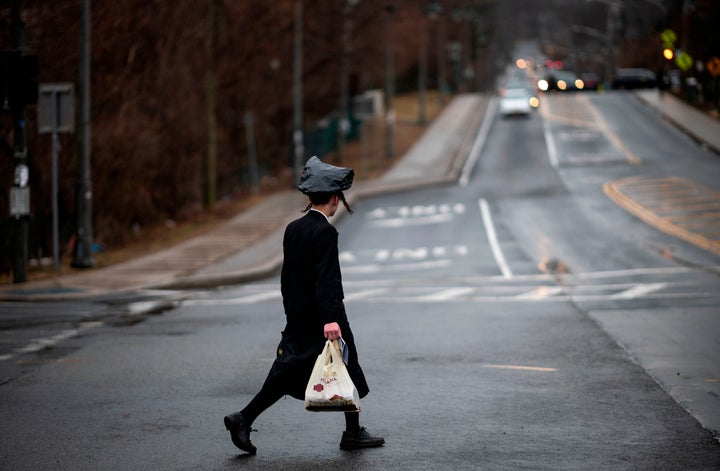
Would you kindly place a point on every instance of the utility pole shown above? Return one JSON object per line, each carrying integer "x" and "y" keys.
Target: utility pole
{"x": 435, "y": 12}
{"x": 211, "y": 103}
{"x": 20, "y": 256}
{"x": 84, "y": 234}
{"x": 612, "y": 20}
{"x": 297, "y": 93}
{"x": 345, "y": 78}
{"x": 389, "y": 84}
{"x": 422, "y": 74}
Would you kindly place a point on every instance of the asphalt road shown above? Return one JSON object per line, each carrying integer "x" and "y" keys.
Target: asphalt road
{"x": 520, "y": 321}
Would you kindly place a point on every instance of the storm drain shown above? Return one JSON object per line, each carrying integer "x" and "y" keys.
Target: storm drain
{"x": 674, "y": 205}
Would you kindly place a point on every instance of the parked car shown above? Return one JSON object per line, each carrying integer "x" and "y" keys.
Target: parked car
{"x": 631, "y": 79}
{"x": 516, "y": 101}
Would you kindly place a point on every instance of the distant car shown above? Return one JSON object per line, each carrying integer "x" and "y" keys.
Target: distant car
{"x": 516, "y": 101}
{"x": 562, "y": 81}
{"x": 630, "y": 79}
{"x": 590, "y": 80}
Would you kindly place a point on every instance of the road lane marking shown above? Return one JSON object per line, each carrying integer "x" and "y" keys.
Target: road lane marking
{"x": 48, "y": 342}
{"x": 365, "y": 294}
{"x": 521, "y": 368}
{"x": 550, "y": 144}
{"x": 400, "y": 291}
{"x": 605, "y": 129}
{"x": 598, "y": 123}
{"x": 492, "y": 238}
{"x": 541, "y": 292}
{"x": 478, "y": 145}
{"x": 639, "y": 291}
{"x": 417, "y": 221}
{"x": 654, "y": 200}
{"x": 446, "y": 294}
{"x": 253, "y": 298}
{"x": 378, "y": 268}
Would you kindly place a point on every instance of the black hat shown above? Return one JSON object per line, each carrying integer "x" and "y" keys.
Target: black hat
{"x": 319, "y": 177}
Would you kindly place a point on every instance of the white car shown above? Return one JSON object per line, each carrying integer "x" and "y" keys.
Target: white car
{"x": 515, "y": 101}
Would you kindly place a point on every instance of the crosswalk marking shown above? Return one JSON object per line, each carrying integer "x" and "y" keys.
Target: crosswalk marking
{"x": 639, "y": 290}
{"x": 446, "y": 294}
{"x": 487, "y": 290}
{"x": 521, "y": 368}
{"x": 365, "y": 294}
{"x": 398, "y": 267}
{"x": 38, "y": 344}
{"x": 541, "y": 292}
{"x": 253, "y": 298}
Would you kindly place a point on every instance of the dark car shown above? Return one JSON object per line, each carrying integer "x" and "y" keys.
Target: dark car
{"x": 630, "y": 79}
{"x": 561, "y": 81}
{"x": 591, "y": 81}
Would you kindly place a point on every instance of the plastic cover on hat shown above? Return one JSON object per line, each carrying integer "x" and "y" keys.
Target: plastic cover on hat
{"x": 319, "y": 177}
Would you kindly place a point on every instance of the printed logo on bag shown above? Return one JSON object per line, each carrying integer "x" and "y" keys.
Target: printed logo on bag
{"x": 330, "y": 380}
{"x": 318, "y": 387}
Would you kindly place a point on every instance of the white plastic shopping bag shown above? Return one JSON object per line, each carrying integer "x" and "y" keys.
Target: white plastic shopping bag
{"x": 330, "y": 387}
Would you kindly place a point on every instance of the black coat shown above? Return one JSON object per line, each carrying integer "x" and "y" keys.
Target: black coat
{"x": 312, "y": 292}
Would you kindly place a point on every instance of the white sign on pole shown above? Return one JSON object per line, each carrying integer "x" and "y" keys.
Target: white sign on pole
{"x": 56, "y": 100}
{"x": 56, "y": 114}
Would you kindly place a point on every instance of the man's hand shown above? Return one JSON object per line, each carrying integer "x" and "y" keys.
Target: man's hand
{"x": 332, "y": 331}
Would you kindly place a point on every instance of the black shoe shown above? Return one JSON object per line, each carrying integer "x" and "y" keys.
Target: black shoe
{"x": 360, "y": 439}
{"x": 239, "y": 432}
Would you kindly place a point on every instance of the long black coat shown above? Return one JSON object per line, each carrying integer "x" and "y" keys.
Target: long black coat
{"x": 312, "y": 292}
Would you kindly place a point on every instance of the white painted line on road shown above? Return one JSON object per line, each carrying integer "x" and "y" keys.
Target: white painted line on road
{"x": 550, "y": 144}
{"x": 40, "y": 344}
{"x": 492, "y": 237}
{"x": 550, "y": 299}
{"x": 521, "y": 368}
{"x": 377, "y": 268}
{"x": 365, "y": 294}
{"x": 255, "y": 298}
{"x": 641, "y": 271}
{"x": 418, "y": 221}
{"x": 446, "y": 294}
{"x": 541, "y": 292}
{"x": 478, "y": 145}
{"x": 639, "y": 291}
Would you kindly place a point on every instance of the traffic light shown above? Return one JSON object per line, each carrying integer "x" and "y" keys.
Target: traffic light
{"x": 668, "y": 53}
{"x": 18, "y": 80}
{"x": 29, "y": 79}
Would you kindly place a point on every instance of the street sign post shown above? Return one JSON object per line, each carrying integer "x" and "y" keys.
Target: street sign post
{"x": 683, "y": 60}
{"x": 55, "y": 115}
{"x": 713, "y": 66}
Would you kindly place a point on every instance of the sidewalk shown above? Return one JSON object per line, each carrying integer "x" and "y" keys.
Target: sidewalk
{"x": 249, "y": 246}
{"x": 693, "y": 122}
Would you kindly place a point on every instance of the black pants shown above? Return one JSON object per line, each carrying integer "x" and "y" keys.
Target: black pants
{"x": 271, "y": 393}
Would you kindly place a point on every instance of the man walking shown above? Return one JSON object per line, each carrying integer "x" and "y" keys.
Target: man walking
{"x": 311, "y": 286}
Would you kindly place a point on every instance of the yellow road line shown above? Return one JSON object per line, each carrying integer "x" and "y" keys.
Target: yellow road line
{"x": 622, "y": 192}
{"x": 598, "y": 123}
{"x": 631, "y": 158}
